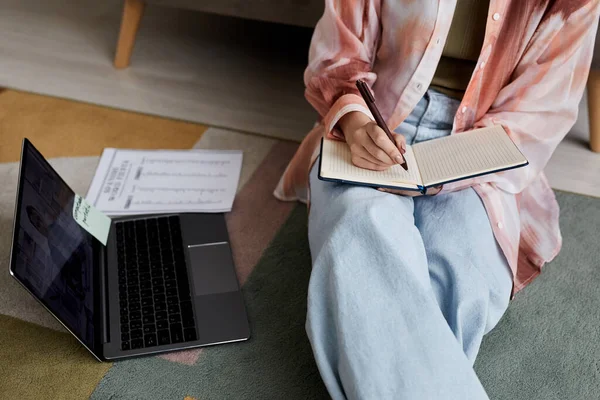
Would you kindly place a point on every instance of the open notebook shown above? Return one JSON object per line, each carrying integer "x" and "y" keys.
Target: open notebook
{"x": 430, "y": 163}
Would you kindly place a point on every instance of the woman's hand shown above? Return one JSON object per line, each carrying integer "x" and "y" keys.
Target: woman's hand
{"x": 369, "y": 145}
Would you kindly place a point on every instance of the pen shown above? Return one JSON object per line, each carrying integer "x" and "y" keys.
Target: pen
{"x": 366, "y": 94}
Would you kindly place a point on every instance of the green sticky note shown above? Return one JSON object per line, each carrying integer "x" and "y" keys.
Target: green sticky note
{"x": 91, "y": 219}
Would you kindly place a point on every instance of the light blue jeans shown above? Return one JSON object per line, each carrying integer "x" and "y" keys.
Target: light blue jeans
{"x": 403, "y": 289}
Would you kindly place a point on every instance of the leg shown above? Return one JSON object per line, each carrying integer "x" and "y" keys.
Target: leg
{"x": 374, "y": 324}
{"x": 132, "y": 15}
{"x": 593, "y": 88}
{"x": 469, "y": 274}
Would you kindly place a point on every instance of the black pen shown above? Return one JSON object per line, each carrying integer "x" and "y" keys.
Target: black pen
{"x": 366, "y": 94}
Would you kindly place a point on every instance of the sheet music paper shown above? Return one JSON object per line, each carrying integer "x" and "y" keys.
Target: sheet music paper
{"x": 466, "y": 154}
{"x": 131, "y": 182}
{"x": 337, "y": 164}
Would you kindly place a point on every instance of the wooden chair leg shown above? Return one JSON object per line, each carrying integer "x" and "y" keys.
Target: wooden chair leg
{"x": 593, "y": 87}
{"x": 130, "y": 23}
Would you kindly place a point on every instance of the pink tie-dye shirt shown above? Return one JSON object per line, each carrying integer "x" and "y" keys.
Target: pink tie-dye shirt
{"x": 529, "y": 78}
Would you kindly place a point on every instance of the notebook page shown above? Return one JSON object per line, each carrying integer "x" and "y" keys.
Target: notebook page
{"x": 336, "y": 163}
{"x": 466, "y": 154}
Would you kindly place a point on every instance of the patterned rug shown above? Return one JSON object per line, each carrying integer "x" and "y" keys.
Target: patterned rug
{"x": 545, "y": 347}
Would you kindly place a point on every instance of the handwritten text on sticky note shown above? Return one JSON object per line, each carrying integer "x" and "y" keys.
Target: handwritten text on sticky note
{"x": 91, "y": 219}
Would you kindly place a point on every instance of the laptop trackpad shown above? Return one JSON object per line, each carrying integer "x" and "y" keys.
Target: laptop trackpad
{"x": 212, "y": 269}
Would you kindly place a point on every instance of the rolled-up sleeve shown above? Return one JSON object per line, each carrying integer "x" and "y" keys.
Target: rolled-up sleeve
{"x": 342, "y": 50}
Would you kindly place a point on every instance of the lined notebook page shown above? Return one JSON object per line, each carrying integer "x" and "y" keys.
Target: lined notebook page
{"x": 466, "y": 154}
{"x": 336, "y": 163}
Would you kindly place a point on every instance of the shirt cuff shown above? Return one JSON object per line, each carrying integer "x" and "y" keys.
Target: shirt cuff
{"x": 344, "y": 105}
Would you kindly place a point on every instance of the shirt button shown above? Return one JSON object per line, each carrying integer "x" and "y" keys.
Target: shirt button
{"x": 464, "y": 110}
{"x": 419, "y": 86}
{"x": 500, "y": 225}
{"x": 496, "y": 16}
{"x": 438, "y": 41}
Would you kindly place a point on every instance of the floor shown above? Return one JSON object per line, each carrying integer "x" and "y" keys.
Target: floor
{"x": 222, "y": 72}
{"x": 186, "y": 65}
{"x": 63, "y": 128}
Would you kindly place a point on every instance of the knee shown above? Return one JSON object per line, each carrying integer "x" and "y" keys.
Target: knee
{"x": 362, "y": 209}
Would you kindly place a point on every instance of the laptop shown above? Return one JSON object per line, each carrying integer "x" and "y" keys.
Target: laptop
{"x": 162, "y": 283}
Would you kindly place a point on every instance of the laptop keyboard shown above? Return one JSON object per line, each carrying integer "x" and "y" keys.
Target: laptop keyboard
{"x": 154, "y": 290}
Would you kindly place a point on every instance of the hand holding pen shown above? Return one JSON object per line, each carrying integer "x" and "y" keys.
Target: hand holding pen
{"x": 372, "y": 145}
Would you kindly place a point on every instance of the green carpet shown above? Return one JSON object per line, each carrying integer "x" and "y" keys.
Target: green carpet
{"x": 545, "y": 347}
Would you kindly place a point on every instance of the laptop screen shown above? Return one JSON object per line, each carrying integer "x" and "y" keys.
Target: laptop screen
{"x": 52, "y": 255}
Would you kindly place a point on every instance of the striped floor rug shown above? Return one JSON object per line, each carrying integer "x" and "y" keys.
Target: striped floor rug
{"x": 545, "y": 347}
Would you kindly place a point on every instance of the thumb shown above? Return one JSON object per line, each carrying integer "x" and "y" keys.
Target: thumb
{"x": 400, "y": 143}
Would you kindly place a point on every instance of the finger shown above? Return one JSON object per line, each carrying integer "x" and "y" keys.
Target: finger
{"x": 435, "y": 190}
{"x": 363, "y": 163}
{"x": 382, "y": 142}
{"x": 400, "y": 143}
{"x": 360, "y": 151}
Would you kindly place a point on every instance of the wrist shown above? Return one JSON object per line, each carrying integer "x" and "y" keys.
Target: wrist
{"x": 352, "y": 121}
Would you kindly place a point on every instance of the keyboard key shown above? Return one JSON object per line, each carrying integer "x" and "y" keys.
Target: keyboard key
{"x": 137, "y": 324}
{"x": 189, "y": 334}
{"x": 147, "y": 301}
{"x": 172, "y": 292}
{"x": 135, "y": 315}
{"x": 135, "y": 297}
{"x": 134, "y": 306}
{"x": 145, "y": 277}
{"x": 169, "y": 274}
{"x": 164, "y": 337}
{"x": 136, "y": 334}
{"x": 157, "y": 281}
{"x": 124, "y": 328}
{"x": 174, "y": 318}
{"x": 146, "y": 285}
{"x": 162, "y": 324}
{"x": 188, "y": 322}
{"x": 161, "y": 315}
{"x": 133, "y": 289}
{"x": 160, "y": 306}
{"x": 124, "y": 319}
{"x": 171, "y": 301}
{"x": 158, "y": 289}
{"x": 170, "y": 284}
{"x": 176, "y": 333}
{"x": 148, "y": 319}
{"x": 186, "y": 306}
{"x": 174, "y": 309}
{"x": 124, "y": 310}
{"x": 124, "y": 337}
{"x": 150, "y": 340}
{"x": 149, "y": 328}
{"x": 125, "y": 346}
{"x": 156, "y": 273}
{"x": 160, "y": 298}
{"x": 137, "y": 344}
{"x": 147, "y": 311}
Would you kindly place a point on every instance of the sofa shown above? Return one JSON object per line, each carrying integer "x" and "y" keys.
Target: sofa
{"x": 304, "y": 13}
